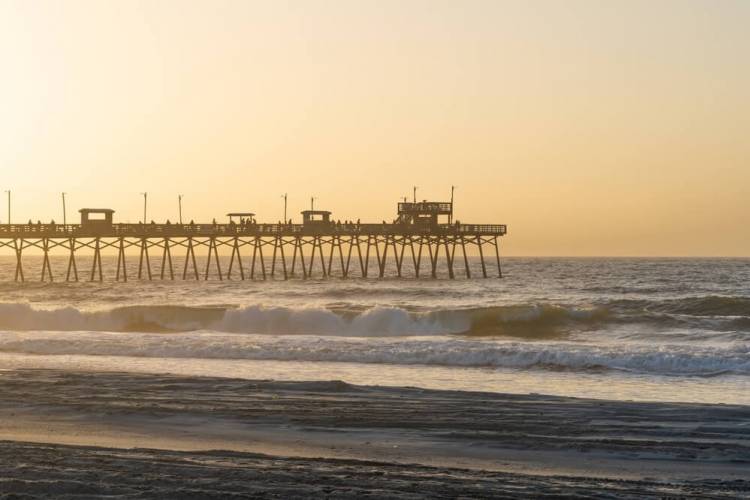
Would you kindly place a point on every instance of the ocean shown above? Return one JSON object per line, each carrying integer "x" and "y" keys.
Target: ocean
{"x": 605, "y": 328}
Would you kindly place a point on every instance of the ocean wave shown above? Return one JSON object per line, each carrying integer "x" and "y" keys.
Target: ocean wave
{"x": 668, "y": 360}
{"x": 528, "y": 321}
{"x": 702, "y": 306}
{"x": 700, "y": 317}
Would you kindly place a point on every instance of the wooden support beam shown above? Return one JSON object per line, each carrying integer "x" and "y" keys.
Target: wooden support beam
{"x": 255, "y": 253}
{"x": 283, "y": 258}
{"x": 273, "y": 258}
{"x": 367, "y": 257}
{"x": 322, "y": 258}
{"x": 297, "y": 245}
{"x": 235, "y": 253}
{"x": 46, "y": 268}
{"x": 418, "y": 266}
{"x": 144, "y": 253}
{"x": 19, "y": 259}
{"x": 497, "y": 255}
{"x": 301, "y": 243}
{"x": 362, "y": 268}
{"x": 398, "y": 258}
{"x": 190, "y": 258}
{"x": 344, "y": 272}
{"x": 466, "y": 258}
{"x": 208, "y": 260}
{"x": 121, "y": 261}
{"x": 330, "y": 255}
{"x": 481, "y": 256}
{"x": 434, "y": 255}
{"x": 72, "y": 266}
{"x": 312, "y": 256}
{"x": 414, "y": 257}
{"x": 385, "y": 253}
{"x": 213, "y": 250}
{"x": 166, "y": 259}
{"x": 449, "y": 258}
{"x": 260, "y": 254}
{"x": 97, "y": 264}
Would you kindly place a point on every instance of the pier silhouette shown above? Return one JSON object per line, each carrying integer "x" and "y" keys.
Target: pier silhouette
{"x": 418, "y": 236}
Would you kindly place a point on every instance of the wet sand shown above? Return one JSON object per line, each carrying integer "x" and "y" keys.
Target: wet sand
{"x": 86, "y": 434}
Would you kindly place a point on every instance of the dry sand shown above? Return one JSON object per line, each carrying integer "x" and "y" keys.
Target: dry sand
{"x": 82, "y": 434}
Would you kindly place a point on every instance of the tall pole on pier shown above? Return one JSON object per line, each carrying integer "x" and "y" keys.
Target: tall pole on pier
{"x": 8, "y": 191}
{"x": 145, "y": 205}
{"x": 284, "y": 196}
{"x": 415, "y": 194}
{"x": 179, "y": 201}
{"x": 65, "y": 215}
{"x": 450, "y": 217}
{"x": 312, "y": 203}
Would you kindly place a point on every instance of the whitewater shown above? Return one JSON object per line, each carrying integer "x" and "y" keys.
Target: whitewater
{"x": 630, "y": 329}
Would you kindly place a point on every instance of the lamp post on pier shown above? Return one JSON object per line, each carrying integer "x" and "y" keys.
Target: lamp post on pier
{"x": 179, "y": 202}
{"x": 450, "y": 217}
{"x": 145, "y": 205}
{"x": 284, "y": 196}
{"x": 65, "y": 216}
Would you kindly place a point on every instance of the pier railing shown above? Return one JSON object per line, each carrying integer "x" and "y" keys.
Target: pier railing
{"x": 210, "y": 229}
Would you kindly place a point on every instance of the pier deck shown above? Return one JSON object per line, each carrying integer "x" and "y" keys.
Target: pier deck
{"x": 153, "y": 230}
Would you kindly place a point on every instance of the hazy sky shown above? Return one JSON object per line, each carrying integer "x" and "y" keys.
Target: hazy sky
{"x": 589, "y": 127}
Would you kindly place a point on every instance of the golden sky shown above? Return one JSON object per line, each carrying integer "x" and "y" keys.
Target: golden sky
{"x": 589, "y": 127}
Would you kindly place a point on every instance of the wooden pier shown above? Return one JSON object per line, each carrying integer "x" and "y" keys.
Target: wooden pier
{"x": 411, "y": 245}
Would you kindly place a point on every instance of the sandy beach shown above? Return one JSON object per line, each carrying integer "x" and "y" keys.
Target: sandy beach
{"x": 80, "y": 434}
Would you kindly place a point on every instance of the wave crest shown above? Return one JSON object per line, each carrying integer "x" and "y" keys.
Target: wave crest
{"x": 675, "y": 359}
{"x": 521, "y": 321}
{"x": 700, "y": 318}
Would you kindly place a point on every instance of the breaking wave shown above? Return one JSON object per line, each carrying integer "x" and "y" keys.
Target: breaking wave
{"x": 675, "y": 359}
{"x": 701, "y": 317}
{"x": 530, "y": 321}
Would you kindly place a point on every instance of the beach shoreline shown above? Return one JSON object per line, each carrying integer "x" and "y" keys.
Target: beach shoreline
{"x": 674, "y": 448}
